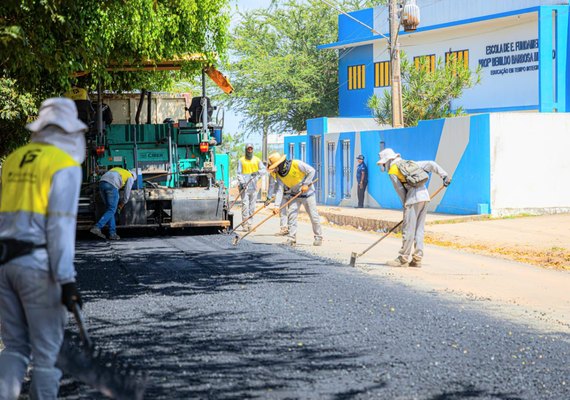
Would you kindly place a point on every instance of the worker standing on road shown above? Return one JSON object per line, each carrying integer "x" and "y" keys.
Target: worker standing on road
{"x": 40, "y": 193}
{"x": 297, "y": 176}
{"x": 249, "y": 169}
{"x": 415, "y": 201}
{"x": 284, "y": 212}
{"x": 362, "y": 179}
{"x": 109, "y": 185}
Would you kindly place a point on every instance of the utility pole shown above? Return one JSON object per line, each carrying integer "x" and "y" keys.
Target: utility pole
{"x": 397, "y": 112}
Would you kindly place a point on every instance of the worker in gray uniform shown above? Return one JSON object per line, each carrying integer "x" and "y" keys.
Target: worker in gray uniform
{"x": 249, "y": 170}
{"x": 297, "y": 176}
{"x": 415, "y": 201}
{"x": 38, "y": 211}
{"x": 284, "y": 212}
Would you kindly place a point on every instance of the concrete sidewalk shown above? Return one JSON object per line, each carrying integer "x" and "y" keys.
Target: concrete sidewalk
{"x": 541, "y": 233}
{"x": 539, "y": 240}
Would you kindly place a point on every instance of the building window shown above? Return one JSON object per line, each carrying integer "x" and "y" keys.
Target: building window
{"x": 457, "y": 56}
{"x": 427, "y": 62}
{"x": 291, "y": 151}
{"x": 346, "y": 169}
{"x": 382, "y": 74}
{"x": 303, "y": 151}
{"x": 331, "y": 168}
{"x": 356, "y": 77}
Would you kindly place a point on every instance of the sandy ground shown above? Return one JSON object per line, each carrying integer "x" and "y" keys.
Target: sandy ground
{"x": 537, "y": 297}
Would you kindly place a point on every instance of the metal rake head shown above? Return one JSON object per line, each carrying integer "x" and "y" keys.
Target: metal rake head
{"x": 100, "y": 370}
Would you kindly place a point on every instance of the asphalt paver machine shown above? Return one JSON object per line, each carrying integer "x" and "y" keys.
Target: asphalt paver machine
{"x": 181, "y": 173}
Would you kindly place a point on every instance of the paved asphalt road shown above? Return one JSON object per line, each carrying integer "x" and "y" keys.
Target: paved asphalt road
{"x": 206, "y": 319}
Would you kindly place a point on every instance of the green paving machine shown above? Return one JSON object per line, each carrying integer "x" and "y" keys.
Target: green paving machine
{"x": 182, "y": 176}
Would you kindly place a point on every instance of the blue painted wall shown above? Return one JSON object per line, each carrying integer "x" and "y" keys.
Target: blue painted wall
{"x": 352, "y": 103}
{"x": 553, "y": 92}
{"x": 350, "y": 30}
{"x": 471, "y": 179}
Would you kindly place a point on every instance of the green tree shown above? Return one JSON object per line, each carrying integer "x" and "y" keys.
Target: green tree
{"x": 44, "y": 43}
{"x": 280, "y": 76}
{"x": 15, "y": 107}
{"x": 426, "y": 94}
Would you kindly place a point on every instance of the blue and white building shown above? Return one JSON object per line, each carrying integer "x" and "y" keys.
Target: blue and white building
{"x": 500, "y": 155}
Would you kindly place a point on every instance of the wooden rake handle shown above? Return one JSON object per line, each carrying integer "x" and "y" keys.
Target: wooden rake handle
{"x": 240, "y": 193}
{"x": 394, "y": 227}
{"x": 265, "y": 204}
{"x": 272, "y": 214}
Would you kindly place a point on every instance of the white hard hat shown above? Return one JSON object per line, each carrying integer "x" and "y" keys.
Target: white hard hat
{"x": 58, "y": 111}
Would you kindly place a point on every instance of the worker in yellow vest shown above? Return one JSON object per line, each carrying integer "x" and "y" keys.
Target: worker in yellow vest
{"x": 111, "y": 182}
{"x": 415, "y": 198}
{"x": 38, "y": 211}
{"x": 297, "y": 176}
{"x": 249, "y": 170}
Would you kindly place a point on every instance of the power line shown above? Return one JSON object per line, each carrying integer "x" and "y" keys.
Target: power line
{"x": 354, "y": 19}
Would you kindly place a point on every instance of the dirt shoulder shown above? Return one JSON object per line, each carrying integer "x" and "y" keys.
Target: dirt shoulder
{"x": 537, "y": 240}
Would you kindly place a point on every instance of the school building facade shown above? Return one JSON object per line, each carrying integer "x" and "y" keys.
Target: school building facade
{"x": 518, "y": 114}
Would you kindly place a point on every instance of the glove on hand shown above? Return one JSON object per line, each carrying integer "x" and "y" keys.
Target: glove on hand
{"x": 275, "y": 210}
{"x": 241, "y": 187}
{"x": 70, "y": 295}
{"x": 304, "y": 189}
{"x": 446, "y": 181}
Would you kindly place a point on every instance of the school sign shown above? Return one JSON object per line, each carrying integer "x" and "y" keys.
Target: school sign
{"x": 520, "y": 108}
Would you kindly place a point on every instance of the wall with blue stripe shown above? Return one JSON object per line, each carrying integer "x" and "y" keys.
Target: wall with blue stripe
{"x": 460, "y": 145}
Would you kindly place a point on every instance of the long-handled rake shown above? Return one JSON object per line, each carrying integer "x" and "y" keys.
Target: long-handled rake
{"x": 355, "y": 255}
{"x": 267, "y": 202}
{"x": 240, "y": 193}
{"x": 82, "y": 360}
{"x": 238, "y": 239}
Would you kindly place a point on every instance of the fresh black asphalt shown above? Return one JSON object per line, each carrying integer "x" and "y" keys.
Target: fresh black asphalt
{"x": 207, "y": 320}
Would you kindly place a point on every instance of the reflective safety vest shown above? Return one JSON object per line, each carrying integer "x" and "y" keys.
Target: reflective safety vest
{"x": 27, "y": 175}
{"x": 394, "y": 170}
{"x": 249, "y": 166}
{"x": 125, "y": 174}
{"x": 293, "y": 177}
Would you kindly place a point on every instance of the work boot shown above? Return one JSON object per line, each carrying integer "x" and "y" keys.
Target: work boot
{"x": 318, "y": 242}
{"x": 398, "y": 262}
{"x": 96, "y": 231}
{"x": 283, "y": 232}
{"x": 416, "y": 262}
{"x": 114, "y": 236}
{"x": 291, "y": 242}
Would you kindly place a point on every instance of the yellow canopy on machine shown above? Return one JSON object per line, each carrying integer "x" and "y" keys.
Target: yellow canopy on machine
{"x": 174, "y": 64}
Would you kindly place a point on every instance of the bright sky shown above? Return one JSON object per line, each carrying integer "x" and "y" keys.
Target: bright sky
{"x": 232, "y": 120}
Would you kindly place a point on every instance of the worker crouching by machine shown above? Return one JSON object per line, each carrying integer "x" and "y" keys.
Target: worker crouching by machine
{"x": 109, "y": 185}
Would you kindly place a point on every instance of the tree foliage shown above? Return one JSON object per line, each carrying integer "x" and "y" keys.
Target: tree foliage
{"x": 426, "y": 94}
{"x": 43, "y": 43}
{"x": 15, "y": 107}
{"x": 52, "y": 39}
{"x": 280, "y": 76}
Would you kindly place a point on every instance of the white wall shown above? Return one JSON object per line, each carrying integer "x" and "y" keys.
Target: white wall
{"x": 435, "y": 12}
{"x": 530, "y": 163}
{"x": 514, "y": 84}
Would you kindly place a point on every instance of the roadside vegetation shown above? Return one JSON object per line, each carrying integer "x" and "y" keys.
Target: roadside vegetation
{"x": 44, "y": 45}
{"x": 427, "y": 91}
